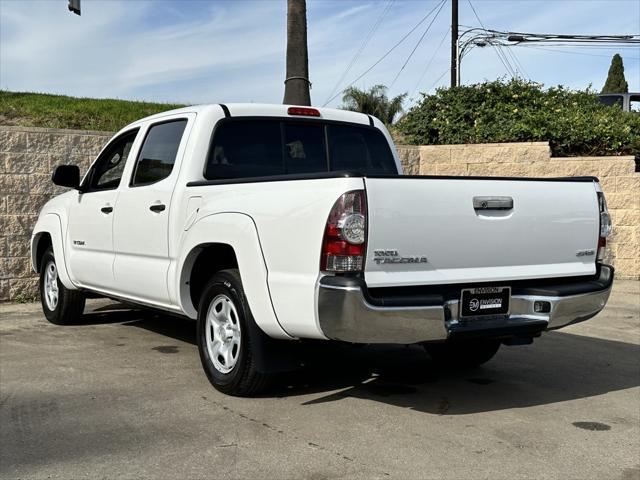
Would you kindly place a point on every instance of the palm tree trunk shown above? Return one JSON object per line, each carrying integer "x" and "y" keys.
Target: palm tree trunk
{"x": 296, "y": 84}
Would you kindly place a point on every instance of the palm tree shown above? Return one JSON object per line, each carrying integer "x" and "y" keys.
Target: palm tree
{"x": 296, "y": 84}
{"x": 373, "y": 102}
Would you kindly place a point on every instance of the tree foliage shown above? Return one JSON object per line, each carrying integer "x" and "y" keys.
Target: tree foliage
{"x": 573, "y": 122}
{"x": 373, "y": 102}
{"x": 616, "y": 83}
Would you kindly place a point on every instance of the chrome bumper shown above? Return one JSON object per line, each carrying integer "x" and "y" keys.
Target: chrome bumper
{"x": 346, "y": 312}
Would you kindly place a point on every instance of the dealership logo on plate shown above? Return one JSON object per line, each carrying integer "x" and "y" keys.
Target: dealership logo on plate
{"x": 474, "y": 304}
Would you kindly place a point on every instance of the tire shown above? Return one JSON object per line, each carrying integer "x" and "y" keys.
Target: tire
{"x": 224, "y": 339}
{"x": 59, "y": 304}
{"x": 467, "y": 354}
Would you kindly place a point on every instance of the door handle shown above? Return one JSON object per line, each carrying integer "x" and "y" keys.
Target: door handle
{"x": 157, "y": 208}
{"x": 492, "y": 203}
{"x": 106, "y": 210}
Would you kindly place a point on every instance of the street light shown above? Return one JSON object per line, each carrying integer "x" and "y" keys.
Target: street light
{"x": 74, "y": 6}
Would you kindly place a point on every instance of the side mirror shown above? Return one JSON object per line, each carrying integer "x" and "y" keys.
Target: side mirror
{"x": 66, "y": 176}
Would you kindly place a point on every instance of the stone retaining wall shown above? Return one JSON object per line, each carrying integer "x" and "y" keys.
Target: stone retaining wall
{"x": 619, "y": 180}
{"x": 29, "y": 155}
{"x": 27, "y": 158}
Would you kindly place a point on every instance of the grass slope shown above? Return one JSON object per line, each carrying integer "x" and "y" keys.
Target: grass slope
{"x": 60, "y": 111}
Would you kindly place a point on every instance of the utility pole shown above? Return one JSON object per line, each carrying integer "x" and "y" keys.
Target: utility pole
{"x": 296, "y": 83}
{"x": 454, "y": 43}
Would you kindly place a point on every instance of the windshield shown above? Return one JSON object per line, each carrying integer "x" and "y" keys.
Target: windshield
{"x": 266, "y": 147}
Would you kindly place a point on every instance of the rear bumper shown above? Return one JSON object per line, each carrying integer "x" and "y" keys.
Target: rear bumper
{"x": 347, "y": 311}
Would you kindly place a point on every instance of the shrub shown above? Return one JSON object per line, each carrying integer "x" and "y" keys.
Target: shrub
{"x": 573, "y": 122}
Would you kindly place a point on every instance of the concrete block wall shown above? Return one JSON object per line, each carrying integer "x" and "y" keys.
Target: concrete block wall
{"x": 27, "y": 158}
{"x": 29, "y": 155}
{"x": 619, "y": 180}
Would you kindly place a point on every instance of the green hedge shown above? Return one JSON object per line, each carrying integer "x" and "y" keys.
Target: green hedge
{"x": 573, "y": 122}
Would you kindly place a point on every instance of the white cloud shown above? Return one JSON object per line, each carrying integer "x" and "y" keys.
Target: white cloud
{"x": 234, "y": 51}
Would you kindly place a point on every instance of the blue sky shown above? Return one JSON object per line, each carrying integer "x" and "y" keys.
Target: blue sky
{"x": 233, "y": 51}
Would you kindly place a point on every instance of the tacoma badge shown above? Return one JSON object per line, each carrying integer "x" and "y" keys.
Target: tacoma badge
{"x": 392, "y": 256}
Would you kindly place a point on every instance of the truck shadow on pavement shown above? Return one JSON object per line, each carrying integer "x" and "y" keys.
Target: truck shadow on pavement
{"x": 558, "y": 367}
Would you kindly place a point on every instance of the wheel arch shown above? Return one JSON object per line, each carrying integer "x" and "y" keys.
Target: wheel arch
{"x": 202, "y": 262}
{"x": 48, "y": 233}
{"x": 41, "y": 242}
{"x": 217, "y": 242}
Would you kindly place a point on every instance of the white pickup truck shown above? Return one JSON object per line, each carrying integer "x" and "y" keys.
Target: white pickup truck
{"x": 271, "y": 224}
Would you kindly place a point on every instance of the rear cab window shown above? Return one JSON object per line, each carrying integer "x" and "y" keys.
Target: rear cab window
{"x": 243, "y": 148}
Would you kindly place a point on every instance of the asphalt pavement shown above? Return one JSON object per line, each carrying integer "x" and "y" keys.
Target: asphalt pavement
{"x": 123, "y": 396}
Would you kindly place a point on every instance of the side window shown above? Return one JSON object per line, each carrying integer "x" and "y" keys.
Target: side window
{"x": 158, "y": 153}
{"x": 107, "y": 171}
{"x": 611, "y": 100}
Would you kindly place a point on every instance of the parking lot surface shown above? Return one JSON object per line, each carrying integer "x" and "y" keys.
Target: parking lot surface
{"x": 123, "y": 395}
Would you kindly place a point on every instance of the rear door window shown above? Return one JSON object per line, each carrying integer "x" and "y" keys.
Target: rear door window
{"x": 158, "y": 153}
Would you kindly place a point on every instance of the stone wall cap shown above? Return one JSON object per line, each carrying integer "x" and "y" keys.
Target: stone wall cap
{"x": 472, "y": 145}
{"x": 601, "y": 158}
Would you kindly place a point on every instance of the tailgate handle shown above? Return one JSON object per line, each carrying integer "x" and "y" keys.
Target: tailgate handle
{"x": 492, "y": 203}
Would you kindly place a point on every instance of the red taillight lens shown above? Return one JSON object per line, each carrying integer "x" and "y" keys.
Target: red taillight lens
{"x": 304, "y": 111}
{"x": 605, "y": 226}
{"x": 345, "y": 235}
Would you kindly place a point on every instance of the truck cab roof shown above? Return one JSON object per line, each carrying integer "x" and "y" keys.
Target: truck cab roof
{"x": 263, "y": 110}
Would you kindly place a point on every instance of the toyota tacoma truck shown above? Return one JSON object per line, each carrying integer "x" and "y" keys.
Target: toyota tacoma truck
{"x": 273, "y": 224}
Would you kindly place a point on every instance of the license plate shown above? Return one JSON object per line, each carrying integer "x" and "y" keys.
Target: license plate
{"x": 482, "y": 301}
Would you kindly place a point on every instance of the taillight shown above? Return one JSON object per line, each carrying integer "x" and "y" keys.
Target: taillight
{"x": 345, "y": 235}
{"x": 605, "y": 226}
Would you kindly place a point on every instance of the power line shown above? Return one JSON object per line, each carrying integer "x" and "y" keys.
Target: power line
{"x": 417, "y": 44}
{"x": 501, "y": 55}
{"x": 535, "y": 47}
{"x": 417, "y": 25}
{"x": 438, "y": 79}
{"x": 517, "y": 62}
{"x": 581, "y": 46}
{"x": 363, "y": 45}
{"x": 435, "y": 52}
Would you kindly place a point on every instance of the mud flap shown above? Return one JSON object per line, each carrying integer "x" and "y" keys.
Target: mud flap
{"x": 271, "y": 355}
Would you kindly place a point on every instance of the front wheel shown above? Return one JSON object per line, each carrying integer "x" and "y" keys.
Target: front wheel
{"x": 224, "y": 340}
{"x": 463, "y": 354}
{"x": 60, "y": 305}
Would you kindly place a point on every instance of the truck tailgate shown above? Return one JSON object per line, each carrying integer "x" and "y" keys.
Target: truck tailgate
{"x": 425, "y": 231}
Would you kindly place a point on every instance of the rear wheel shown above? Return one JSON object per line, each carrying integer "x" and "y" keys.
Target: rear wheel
{"x": 60, "y": 305}
{"x": 463, "y": 354}
{"x": 224, "y": 340}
